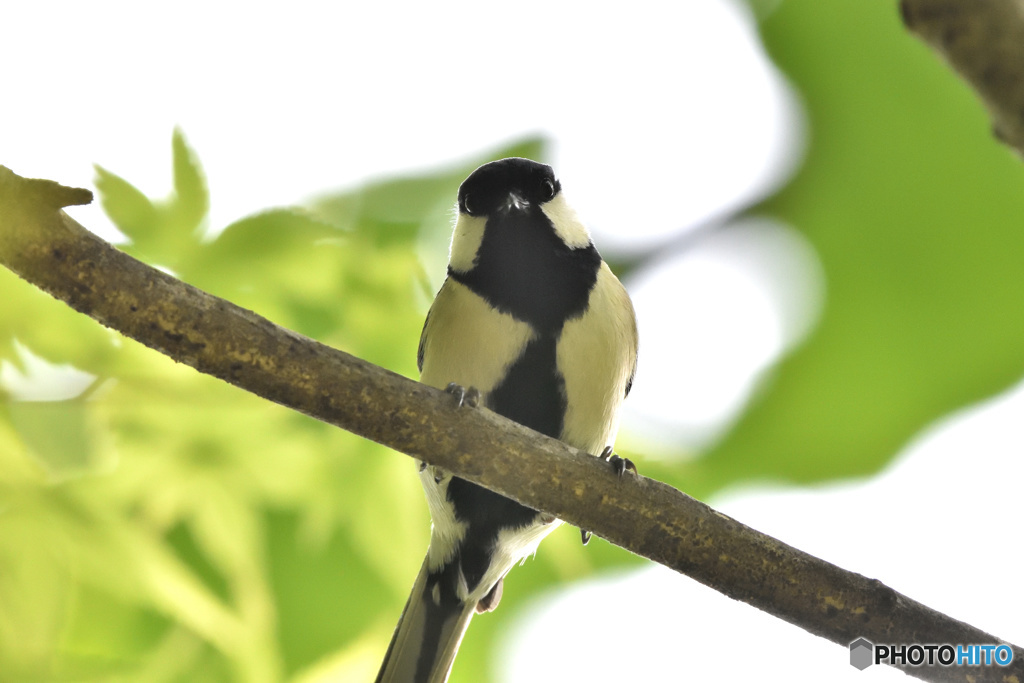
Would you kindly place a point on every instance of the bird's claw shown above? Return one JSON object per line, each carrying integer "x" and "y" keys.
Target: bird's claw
{"x": 619, "y": 465}
{"x": 463, "y": 395}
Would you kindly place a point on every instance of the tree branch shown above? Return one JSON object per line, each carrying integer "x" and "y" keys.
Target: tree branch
{"x": 50, "y": 250}
{"x": 983, "y": 40}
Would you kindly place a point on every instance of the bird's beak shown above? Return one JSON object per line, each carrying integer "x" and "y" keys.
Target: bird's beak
{"x": 514, "y": 202}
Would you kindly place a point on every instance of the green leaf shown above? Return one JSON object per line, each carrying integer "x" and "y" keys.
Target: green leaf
{"x": 161, "y": 232}
{"x": 191, "y": 201}
{"x": 261, "y": 236}
{"x": 67, "y": 336}
{"x": 59, "y": 433}
{"x": 282, "y": 262}
{"x": 131, "y": 211}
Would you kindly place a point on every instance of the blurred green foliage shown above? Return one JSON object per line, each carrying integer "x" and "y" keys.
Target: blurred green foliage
{"x": 164, "y": 526}
{"x": 915, "y": 212}
{"x": 160, "y": 525}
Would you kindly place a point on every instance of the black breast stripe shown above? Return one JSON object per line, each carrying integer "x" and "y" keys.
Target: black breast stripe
{"x": 525, "y": 269}
{"x": 533, "y": 391}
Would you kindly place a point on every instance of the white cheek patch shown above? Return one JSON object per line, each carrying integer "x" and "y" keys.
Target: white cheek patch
{"x": 567, "y": 224}
{"x": 466, "y": 239}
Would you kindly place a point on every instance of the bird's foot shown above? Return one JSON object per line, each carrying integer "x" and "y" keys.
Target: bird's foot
{"x": 490, "y": 601}
{"x": 464, "y": 396}
{"x": 620, "y": 466}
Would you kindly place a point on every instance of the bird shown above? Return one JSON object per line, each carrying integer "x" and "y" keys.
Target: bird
{"x": 532, "y": 324}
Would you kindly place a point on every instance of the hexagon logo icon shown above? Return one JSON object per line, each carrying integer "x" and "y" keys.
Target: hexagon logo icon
{"x": 862, "y": 653}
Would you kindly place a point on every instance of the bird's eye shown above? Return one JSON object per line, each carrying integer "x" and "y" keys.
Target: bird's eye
{"x": 547, "y": 189}
{"x": 466, "y": 206}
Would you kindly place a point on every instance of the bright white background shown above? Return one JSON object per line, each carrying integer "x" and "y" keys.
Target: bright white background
{"x": 650, "y": 109}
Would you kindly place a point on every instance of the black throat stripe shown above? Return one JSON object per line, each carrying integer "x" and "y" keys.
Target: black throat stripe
{"x": 523, "y": 268}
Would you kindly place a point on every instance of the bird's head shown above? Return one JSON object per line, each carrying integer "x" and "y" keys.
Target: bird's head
{"x": 518, "y": 197}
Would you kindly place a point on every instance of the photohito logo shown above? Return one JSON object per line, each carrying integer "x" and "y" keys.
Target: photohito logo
{"x": 864, "y": 653}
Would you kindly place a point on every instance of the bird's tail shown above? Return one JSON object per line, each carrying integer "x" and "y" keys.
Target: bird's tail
{"x": 427, "y": 637}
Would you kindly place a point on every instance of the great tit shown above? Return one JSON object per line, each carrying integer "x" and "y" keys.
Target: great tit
{"x": 532, "y": 323}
